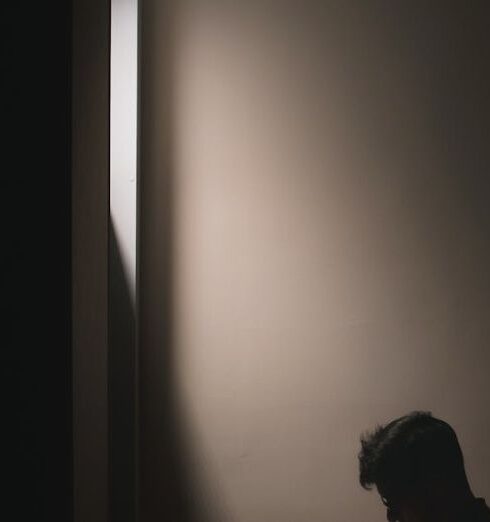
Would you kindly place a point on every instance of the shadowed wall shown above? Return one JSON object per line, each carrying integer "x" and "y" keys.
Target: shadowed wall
{"x": 314, "y": 248}
{"x": 90, "y": 258}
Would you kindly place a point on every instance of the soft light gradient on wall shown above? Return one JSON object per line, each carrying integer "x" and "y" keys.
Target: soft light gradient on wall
{"x": 315, "y": 247}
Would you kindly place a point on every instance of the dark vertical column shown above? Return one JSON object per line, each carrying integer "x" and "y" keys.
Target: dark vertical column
{"x": 90, "y": 193}
{"x": 35, "y": 279}
{"x": 165, "y": 486}
{"x": 159, "y": 498}
{"x": 122, "y": 391}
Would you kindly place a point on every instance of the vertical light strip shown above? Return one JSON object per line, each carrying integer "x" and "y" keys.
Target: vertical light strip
{"x": 123, "y": 147}
{"x": 123, "y": 368}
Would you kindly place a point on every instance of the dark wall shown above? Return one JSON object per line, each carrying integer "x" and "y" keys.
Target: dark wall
{"x": 90, "y": 220}
{"x": 35, "y": 345}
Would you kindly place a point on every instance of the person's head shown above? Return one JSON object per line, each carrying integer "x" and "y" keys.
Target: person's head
{"x": 415, "y": 462}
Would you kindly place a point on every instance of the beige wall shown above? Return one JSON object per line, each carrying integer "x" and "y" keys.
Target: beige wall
{"x": 315, "y": 248}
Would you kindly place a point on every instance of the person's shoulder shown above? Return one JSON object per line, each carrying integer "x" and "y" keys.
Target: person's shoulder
{"x": 481, "y": 512}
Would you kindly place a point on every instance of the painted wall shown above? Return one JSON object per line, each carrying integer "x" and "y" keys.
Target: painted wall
{"x": 121, "y": 361}
{"x": 315, "y": 248}
{"x": 90, "y": 258}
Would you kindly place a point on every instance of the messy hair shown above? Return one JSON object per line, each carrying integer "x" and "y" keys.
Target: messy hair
{"x": 410, "y": 452}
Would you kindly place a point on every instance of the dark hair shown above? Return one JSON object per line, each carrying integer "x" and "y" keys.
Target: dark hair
{"x": 409, "y": 453}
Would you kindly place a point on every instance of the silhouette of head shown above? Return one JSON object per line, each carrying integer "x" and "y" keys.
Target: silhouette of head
{"x": 416, "y": 464}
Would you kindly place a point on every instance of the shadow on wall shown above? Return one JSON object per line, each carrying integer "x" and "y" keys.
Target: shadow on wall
{"x": 122, "y": 389}
{"x": 168, "y": 484}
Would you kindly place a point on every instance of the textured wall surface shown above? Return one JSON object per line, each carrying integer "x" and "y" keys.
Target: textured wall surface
{"x": 315, "y": 248}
